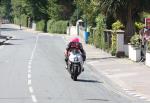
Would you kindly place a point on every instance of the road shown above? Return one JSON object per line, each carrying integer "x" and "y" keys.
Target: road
{"x": 32, "y": 70}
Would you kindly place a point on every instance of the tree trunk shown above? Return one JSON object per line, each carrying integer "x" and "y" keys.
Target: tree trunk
{"x": 129, "y": 27}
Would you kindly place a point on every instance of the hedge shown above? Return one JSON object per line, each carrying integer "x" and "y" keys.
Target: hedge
{"x": 23, "y": 20}
{"x": 49, "y": 25}
{"x": 16, "y": 20}
{"x": 57, "y": 26}
{"x": 40, "y": 25}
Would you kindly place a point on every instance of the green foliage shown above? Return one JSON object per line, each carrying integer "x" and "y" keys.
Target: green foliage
{"x": 89, "y": 9}
{"x": 19, "y": 7}
{"x": 57, "y": 26}
{"x": 99, "y": 32}
{"x": 135, "y": 40}
{"x": 16, "y": 20}
{"x": 40, "y": 25}
{"x": 2, "y": 11}
{"x": 117, "y": 25}
{"x": 127, "y": 11}
{"x": 138, "y": 26}
{"x": 24, "y": 20}
{"x": 91, "y": 36}
{"x": 53, "y": 9}
{"x": 144, "y": 15}
{"x": 113, "y": 44}
{"x": 74, "y": 17}
{"x": 50, "y": 23}
{"x": 5, "y": 8}
{"x": 21, "y": 20}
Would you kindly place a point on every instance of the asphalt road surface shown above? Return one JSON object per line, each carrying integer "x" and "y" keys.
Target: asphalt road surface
{"x": 32, "y": 70}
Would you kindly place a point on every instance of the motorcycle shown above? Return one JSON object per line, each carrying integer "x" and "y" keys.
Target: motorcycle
{"x": 75, "y": 63}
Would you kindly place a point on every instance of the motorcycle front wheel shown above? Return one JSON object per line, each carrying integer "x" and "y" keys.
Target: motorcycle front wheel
{"x": 74, "y": 74}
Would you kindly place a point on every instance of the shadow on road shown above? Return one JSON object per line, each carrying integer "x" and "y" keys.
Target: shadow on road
{"x": 8, "y": 44}
{"x": 17, "y": 39}
{"x": 8, "y": 29}
{"x": 98, "y": 100}
{"x": 14, "y": 98}
{"x": 100, "y": 58}
{"x": 89, "y": 81}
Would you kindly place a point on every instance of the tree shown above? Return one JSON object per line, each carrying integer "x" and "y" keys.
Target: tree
{"x": 38, "y": 9}
{"x": 5, "y": 8}
{"x": 126, "y": 11}
{"x": 53, "y": 9}
{"x": 89, "y": 8}
{"x": 60, "y": 9}
{"x": 67, "y": 8}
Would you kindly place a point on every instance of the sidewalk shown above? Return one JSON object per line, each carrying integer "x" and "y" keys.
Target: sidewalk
{"x": 133, "y": 78}
{"x": 23, "y": 28}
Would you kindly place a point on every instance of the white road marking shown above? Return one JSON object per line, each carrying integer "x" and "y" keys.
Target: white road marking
{"x": 29, "y": 63}
{"x": 142, "y": 97}
{"x": 31, "y": 89}
{"x": 29, "y": 76}
{"x": 31, "y": 58}
{"x": 123, "y": 75}
{"x": 29, "y": 66}
{"x": 130, "y": 92}
{"x": 34, "y": 98}
{"x": 137, "y": 95}
{"x": 148, "y": 100}
{"x": 29, "y": 82}
{"x": 29, "y": 70}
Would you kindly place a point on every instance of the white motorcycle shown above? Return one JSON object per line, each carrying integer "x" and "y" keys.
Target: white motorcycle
{"x": 75, "y": 63}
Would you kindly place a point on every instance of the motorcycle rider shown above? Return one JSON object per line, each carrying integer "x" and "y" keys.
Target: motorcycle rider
{"x": 74, "y": 43}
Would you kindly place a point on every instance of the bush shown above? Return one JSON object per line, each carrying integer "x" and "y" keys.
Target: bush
{"x": 99, "y": 32}
{"x": 91, "y": 37}
{"x": 16, "y": 20}
{"x": 40, "y": 25}
{"x": 113, "y": 44}
{"x": 117, "y": 25}
{"x": 22, "y": 19}
{"x": 57, "y": 26}
{"x": 138, "y": 26}
{"x": 49, "y": 25}
{"x": 135, "y": 40}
